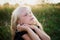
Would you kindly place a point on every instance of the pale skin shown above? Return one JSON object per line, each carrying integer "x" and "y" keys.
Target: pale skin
{"x": 27, "y": 19}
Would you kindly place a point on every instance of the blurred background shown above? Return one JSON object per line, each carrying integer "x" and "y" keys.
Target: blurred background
{"x": 46, "y": 11}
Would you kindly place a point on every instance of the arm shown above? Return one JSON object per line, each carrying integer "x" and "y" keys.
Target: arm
{"x": 32, "y": 35}
{"x": 41, "y": 33}
{"x": 26, "y": 37}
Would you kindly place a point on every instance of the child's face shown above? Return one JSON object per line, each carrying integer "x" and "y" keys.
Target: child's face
{"x": 26, "y": 17}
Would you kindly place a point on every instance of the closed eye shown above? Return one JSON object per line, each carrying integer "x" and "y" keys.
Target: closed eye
{"x": 25, "y": 14}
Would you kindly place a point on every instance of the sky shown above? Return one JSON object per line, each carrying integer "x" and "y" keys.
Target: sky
{"x": 27, "y": 1}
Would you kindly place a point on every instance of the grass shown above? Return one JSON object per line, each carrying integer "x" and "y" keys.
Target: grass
{"x": 48, "y": 16}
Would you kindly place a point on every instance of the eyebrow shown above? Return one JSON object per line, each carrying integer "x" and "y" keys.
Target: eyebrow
{"x": 26, "y": 13}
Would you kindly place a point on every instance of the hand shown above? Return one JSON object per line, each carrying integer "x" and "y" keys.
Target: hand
{"x": 32, "y": 26}
{"x": 23, "y": 27}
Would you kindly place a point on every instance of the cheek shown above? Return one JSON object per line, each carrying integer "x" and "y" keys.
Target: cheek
{"x": 27, "y": 20}
{"x": 21, "y": 19}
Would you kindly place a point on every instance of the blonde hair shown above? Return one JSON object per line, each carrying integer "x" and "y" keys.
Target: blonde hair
{"x": 15, "y": 17}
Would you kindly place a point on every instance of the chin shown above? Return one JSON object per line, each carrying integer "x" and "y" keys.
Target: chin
{"x": 32, "y": 23}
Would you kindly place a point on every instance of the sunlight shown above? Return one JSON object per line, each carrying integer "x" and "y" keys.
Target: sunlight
{"x": 21, "y": 2}
{"x": 29, "y": 2}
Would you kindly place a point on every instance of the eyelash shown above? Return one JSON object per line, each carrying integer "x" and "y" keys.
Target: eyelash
{"x": 25, "y": 15}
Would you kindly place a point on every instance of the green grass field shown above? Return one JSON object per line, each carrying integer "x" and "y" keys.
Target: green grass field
{"x": 47, "y": 15}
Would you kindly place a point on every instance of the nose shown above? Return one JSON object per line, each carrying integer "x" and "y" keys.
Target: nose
{"x": 30, "y": 15}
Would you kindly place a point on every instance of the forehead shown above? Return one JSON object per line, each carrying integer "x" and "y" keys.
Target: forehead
{"x": 25, "y": 11}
